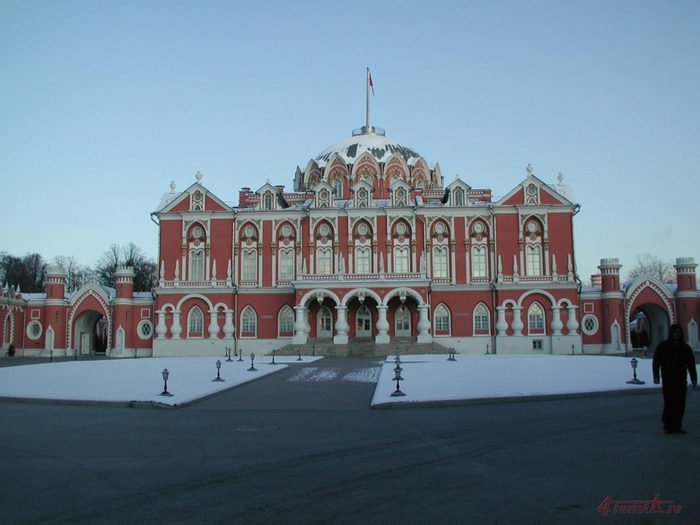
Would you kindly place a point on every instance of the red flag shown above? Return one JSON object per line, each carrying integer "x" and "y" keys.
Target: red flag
{"x": 371, "y": 84}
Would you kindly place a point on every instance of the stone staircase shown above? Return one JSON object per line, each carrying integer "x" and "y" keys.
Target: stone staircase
{"x": 362, "y": 347}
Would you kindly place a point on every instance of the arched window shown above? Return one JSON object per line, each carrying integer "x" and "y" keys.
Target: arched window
{"x": 402, "y": 323}
{"x": 249, "y": 322}
{"x": 401, "y": 260}
{"x": 479, "y": 262}
{"x": 459, "y": 198}
{"x": 250, "y": 265}
{"x": 338, "y": 187}
{"x": 7, "y": 330}
{"x": 534, "y": 260}
{"x": 285, "y": 321}
{"x": 286, "y": 268}
{"x": 196, "y": 265}
{"x": 363, "y": 319}
{"x": 195, "y": 323}
{"x": 442, "y": 319}
{"x": 325, "y": 261}
{"x": 268, "y": 201}
{"x": 362, "y": 261}
{"x": 535, "y": 318}
{"x": 440, "y": 263}
{"x": 481, "y": 318}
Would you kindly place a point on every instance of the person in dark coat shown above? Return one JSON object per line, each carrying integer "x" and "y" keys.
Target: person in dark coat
{"x": 675, "y": 359}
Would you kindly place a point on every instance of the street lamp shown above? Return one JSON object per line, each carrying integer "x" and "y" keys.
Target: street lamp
{"x": 240, "y": 353}
{"x": 50, "y": 356}
{"x": 252, "y": 367}
{"x": 634, "y": 381}
{"x": 273, "y": 358}
{"x": 218, "y": 371}
{"x": 487, "y": 349}
{"x": 228, "y": 351}
{"x": 397, "y": 392}
{"x": 165, "y": 388}
{"x": 299, "y": 358}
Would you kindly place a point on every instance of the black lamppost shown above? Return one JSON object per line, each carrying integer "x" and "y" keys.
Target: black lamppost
{"x": 634, "y": 381}
{"x": 218, "y": 371}
{"x": 136, "y": 353}
{"x": 240, "y": 353}
{"x": 273, "y": 358}
{"x": 75, "y": 355}
{"x": 252, "y": 367}
{"x": 299, "y": 358}
{"x": 452, "y": 355}
{"x": 165, "y": 388}
{"x": 50, "y": 356}
{"x": 487, "y": 349}
{"x": 228, "y": 351}
{"x": 397, "y": 392}
{"x": 572, "y": 349}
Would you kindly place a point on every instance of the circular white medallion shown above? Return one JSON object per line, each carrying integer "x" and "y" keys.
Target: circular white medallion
{"x": 286, "y": 230}
{"x": 249, "y": 231}
{"x": 324, "y": 230}
{"x": 532, "y": 226}
{"x": 479, "y": 227}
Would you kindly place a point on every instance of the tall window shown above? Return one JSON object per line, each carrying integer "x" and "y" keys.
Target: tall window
{"x": 338, "y": 187}
{"x": 248, "y": 320}
{"x": 401, "y": 260}
{"x": 362, "y": 260}
{"x": 440, "y": 263}
{"x": 442, "y": 319}
{"x": 481, "y": 318}
{"x": 534, "y": 260}
{"x": 196, "y": 265}
{"x": 325, "y": 262}
{"x": 459, "y": 198}
{"x": 286, "y": 320}
{"x": 195, "y": 322}
{"x": 535, "y": 316}
{"x": 479, "y": 262}
{"x": 250, "y": 265}
{"x": 268, "y": 201}
{"x": 286, "y": 265}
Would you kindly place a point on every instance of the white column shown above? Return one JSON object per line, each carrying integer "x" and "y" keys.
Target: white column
{"x": 556, "y": 324}
{"x": 299, "y": 326}
{"x": 213, "y": 324}
{"x": 161, "y": 327}
{"x": 175, "y": 328}
{"x": 572, "y": 322}
{"x": 501, "y": 324}
{"x": 517, "y": 324}
{"x": 382, "y": 326}
{"x": 423, "y": 325}
{"x": 229, "y": 328}
{"x": 341, "y": 326}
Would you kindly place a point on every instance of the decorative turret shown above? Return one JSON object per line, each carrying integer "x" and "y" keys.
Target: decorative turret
{"x": 685, "y": 274}
{"x": 610, "y": 274}
{"x": 55, "y": 283}
{"x": 125, "y": 282}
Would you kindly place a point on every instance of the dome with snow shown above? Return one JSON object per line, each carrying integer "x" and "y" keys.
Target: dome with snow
{"x": 367, "y": 139}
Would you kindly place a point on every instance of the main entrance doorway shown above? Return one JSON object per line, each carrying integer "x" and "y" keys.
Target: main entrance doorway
{"x": 402, "y": 324}
{"x": 364, "y": 322}
{"x": 325, "y": 322}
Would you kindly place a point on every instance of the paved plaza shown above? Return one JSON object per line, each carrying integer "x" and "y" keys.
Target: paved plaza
{"x": 300, "y": 447}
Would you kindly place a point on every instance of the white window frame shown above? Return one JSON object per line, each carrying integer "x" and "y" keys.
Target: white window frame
{"x": 363, "y": 260}
{"x": 196, "y": 265}
{"x": 442, "y": 319}
{"x": 194, "y": 317}
{"x": 286, "y": 265}
{"x": 482, "y": 321}
{"x": 535, "y": 319}
{"x": 441, "y": 262}
{"x": 285, "y": 319}
{"x": 324, "y": 261}
{"x": 402, "y": 259}
{"x": 480, "y": 262}
{"x": 249, "y": 265}
{"x": 249, "y": 319}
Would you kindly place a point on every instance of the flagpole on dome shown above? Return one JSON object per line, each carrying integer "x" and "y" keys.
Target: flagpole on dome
{"x": 368, "y": 128}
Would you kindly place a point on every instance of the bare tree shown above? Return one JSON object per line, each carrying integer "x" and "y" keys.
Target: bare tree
{"x": 130, "y": 255}
{"x": 25, "y": 273}
{"x": 77, "y": 275}
{"x": 648, "y": 264}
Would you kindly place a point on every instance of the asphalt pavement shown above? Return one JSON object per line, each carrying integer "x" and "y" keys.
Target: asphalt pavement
{"x": 302, "y": 446}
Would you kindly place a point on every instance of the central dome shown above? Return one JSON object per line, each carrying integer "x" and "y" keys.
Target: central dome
{"x": 367, "y": 139}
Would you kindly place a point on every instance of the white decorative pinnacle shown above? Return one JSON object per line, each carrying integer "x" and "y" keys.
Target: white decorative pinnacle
{"x": 560, "y": 178}
{"x": 529, "y": 169}
{"x": 172, "y": 187}
{"x": 198, "y": 176}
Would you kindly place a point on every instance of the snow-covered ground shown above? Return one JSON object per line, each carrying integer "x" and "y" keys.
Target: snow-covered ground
{"x": 434, "y": 378}
{"x": 427, "y": 378}
{"x": 140, "y": 380}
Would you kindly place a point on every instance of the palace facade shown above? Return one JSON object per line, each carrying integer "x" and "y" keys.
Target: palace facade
{"x": 371, "y": 244}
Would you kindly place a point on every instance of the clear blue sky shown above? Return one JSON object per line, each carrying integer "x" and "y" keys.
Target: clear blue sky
{"x": 104, "y": 103}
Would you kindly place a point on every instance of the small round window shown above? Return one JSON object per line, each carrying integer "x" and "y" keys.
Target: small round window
{"x": 145, "y": 329}
{"x": 324, "y": 230}
{"x": 401, "y": 228}
{"x": 589, "y": 324}
{"x": 440, "y": 228}
{"x": 286, "y": 230}
{"x": 34, "y": 330}
{"x": 362, "y": 229}
{"x": 197, "y": 231}
{"x": 479, "y": 227}
{"x": 249, "y": 231}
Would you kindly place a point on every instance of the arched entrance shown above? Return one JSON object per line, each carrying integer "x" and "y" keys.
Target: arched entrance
{"x": 89, "y": 333}
{"x": 648, "y": 326}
